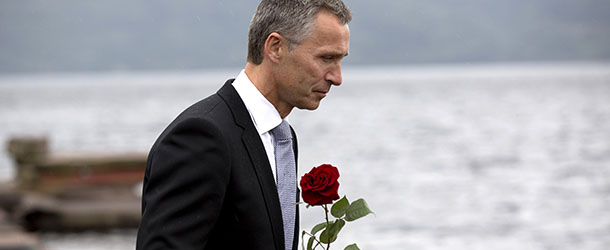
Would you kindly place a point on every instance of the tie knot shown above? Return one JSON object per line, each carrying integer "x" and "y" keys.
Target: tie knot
{"x": 282, "y": 131}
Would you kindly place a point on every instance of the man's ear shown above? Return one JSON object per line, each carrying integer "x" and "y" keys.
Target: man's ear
{"x": 274, "y": 46}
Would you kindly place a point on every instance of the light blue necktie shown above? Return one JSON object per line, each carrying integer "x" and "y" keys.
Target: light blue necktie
{"x": 286, "y": 179}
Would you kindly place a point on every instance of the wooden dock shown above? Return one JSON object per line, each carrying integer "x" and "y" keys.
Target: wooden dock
{"x": 69, "y": 192}
{"x": 13, "y": 236}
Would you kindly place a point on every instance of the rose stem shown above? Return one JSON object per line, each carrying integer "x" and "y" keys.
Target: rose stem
{"x": 327, "y": 224}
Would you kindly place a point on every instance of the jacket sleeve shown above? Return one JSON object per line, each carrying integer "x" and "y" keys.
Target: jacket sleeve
{"x": 184, "y": 187}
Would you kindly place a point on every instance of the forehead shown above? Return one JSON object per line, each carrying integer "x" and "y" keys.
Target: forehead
{"x": 328, "y": 33}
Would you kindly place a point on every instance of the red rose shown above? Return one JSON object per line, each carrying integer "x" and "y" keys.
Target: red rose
{"x": 320, "y": 185}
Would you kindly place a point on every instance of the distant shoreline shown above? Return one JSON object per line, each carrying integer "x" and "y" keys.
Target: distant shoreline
{"x": 348, "y": 70}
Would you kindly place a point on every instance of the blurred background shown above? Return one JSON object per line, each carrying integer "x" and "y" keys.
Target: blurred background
{"x": 465, "y": 124}
{"x": 43, "y": 36}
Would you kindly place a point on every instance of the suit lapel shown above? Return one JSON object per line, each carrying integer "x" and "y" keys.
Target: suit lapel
{"x": 258, "y": 156}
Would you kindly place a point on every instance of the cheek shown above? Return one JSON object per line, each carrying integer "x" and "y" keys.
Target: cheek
{"x": 318, "y": 69}
{"x": 310, "y": 69}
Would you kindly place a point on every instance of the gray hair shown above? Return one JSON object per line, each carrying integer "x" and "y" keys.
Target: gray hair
{"x": 292, "y": 19}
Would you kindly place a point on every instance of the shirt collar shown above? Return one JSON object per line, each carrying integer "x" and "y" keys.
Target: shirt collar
{"x": 263, "y": 113}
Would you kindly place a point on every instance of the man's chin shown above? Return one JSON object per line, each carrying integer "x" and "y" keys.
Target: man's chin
{"x": 310, "y": 106}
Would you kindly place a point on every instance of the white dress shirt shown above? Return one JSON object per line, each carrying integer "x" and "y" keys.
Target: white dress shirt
{"x": 263, "y": 114}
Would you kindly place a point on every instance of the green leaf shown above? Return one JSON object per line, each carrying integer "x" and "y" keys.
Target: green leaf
{"x": 325, "y": 237}
{"x": 357, "y": 210}
{"x": 318, "y": 227}
{"x": 330, "y": 234}
{"x": 310, "y": 243}
{"x": 352, "y": 247}
{"x": 338, "y": 209}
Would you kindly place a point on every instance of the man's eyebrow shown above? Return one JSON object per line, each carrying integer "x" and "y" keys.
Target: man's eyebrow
{"x": 336, "y": 54}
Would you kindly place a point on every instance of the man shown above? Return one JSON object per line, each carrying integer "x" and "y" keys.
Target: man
{"x": 213, "y": 179}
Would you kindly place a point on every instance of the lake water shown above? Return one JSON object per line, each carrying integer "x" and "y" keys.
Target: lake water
{"x": 488, "y": 157}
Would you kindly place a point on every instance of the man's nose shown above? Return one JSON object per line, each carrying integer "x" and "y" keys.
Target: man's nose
{"x": 334, "y": 76}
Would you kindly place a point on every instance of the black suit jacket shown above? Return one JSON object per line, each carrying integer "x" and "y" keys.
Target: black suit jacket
{"x": 208, "y": 183}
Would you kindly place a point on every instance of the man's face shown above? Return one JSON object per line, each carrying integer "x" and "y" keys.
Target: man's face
{"x": 306, "y": 73}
